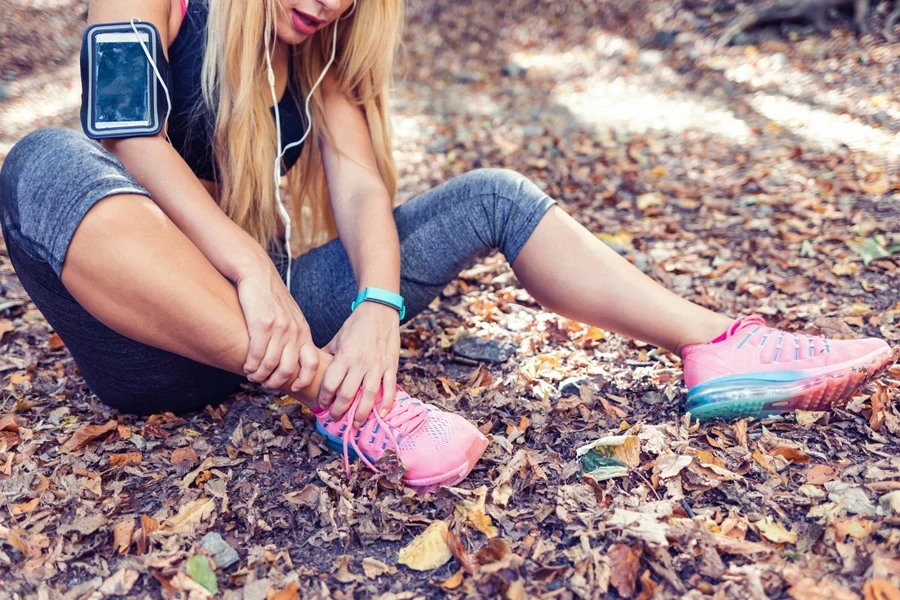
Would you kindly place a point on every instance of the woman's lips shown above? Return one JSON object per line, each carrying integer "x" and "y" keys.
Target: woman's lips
{"x": 304, "y": 23}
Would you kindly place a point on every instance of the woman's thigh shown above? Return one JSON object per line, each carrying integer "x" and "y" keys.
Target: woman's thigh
{"x": 49, "y": 182}
{"x": 442, "y": 232}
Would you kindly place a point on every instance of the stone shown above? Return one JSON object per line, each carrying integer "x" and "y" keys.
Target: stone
{"x": 650, "y": 58}
{"x": 484, "y": 349}
{"x": 222, "y": 553}
{"x": 513, "y": 70}
{"x": 533, "y": 131}
{"x": 641, "y": 261}
{"x": 572, "y": 385}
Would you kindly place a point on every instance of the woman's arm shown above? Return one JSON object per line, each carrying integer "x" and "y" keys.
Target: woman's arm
{"x": 281, "y": 347}
{"x": 367, "y": 349}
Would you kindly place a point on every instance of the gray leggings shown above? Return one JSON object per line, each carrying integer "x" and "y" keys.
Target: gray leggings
{"x": 52, "y": 177}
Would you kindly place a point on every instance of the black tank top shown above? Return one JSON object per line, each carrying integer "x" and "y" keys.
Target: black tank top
{"x": 192, "y": 123}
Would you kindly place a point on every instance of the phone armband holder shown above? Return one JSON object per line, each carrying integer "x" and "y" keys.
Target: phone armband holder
{"x": 123, "y": 94}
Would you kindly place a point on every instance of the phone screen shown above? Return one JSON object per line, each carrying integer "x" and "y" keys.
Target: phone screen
{"x": 123, "y": 84}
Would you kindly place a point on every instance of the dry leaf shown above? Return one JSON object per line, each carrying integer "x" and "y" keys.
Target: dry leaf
{"x": 189, "y": 516}
{"x": 428, "y": 550}
{"x": 624, "y": 563}
{"x": 475, "y": 514}
{"x": 55, "y": 343}
{"x": 880, "y": 589}
{"x": 181, "y": 455}
{"x": 454, "y": 581}
{"x": 5, "y": 327}
{"x": 876, "y": 187}
{"x": 289, "y": 592}
{"x": 820, "y": 475}
{"x": 775, "y": 532}
{"x": 122, "y": 532}
{"x": 824, "y": 589}
{"x": 308, "y": 496}
{"x": 374, "y": 568}
{"x": 120, "y": 583}
{"x": 86, "y": 435}
{"x": 128, "y": 458}
{"x": 790, "y": 454}
{"x": 25, "y": 507}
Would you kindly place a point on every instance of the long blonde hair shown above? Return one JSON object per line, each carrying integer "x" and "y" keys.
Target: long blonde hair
{"x": 244, "y": 146}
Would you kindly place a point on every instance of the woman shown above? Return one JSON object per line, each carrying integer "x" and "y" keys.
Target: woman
{"x": 150, "y": 259}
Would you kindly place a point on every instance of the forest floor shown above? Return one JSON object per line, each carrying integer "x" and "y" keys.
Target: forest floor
{"x": 757, "y": 178}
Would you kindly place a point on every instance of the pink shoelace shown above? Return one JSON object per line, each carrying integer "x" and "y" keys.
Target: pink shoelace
{"x": 404, "y": 416}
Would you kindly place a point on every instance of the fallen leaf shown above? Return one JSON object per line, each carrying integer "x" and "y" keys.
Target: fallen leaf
{"x": 289, "y": 592}
{"x": 199, "y": 569}
{"x": 55, "y": 343}
{"x": 852, "y": 527}
{"x": 120, "y": 583}
{"x": 128, "y": 458}
{"x": 189, "y": 516}
{"x": 648, "y": 586}
{"x": 824, "y": 589}
{"x": 868, "y": 249}
{"x": 5, "y": 327}
{"x": 86, "y": 435}
{"x": 645, "y": 201}
{"x": 876, "y": 187}
{"x": 796, "y": 285}
{"x": 454, "y": 581}
{"x": 609, "y": 456}
{"x": 775, "y": 532}
{"x": 670, "y": 465}
{"x": 790, "y": 454}
{"x": 374, "y": 568}
{"x": 474, "y": 512}
{"x": 880, "y": 589}
{"x": 624, "y": 563}
{"x": 428, "y": 550}
{"x": 122, "y": 532}
{"x": 820, "y": 475}
{"x": 25, "y": 507}
{"x": 308, "y": 496}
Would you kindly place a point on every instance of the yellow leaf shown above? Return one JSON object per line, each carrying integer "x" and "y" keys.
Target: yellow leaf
{"x": 775, "y": 532}
{"x": 428, "y": 550}
{"x": 645, "y": 201}
{"x": 122, "y": 532}
{"x": 848, "y": 268}
{"x": 502, "y": 494}
{"x": 475, "y": 514}
{"x": 190, "y": 515}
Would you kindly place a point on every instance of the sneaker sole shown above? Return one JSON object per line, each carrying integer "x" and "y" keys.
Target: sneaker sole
{"x": 759, "y": 395}
{"x": 421, "y": 485}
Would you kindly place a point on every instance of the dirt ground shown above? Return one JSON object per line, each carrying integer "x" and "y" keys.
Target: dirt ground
{"x": 757, "y": 178}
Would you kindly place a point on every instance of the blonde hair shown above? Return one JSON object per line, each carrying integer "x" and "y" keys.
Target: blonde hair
{"x": 244, "y": 144}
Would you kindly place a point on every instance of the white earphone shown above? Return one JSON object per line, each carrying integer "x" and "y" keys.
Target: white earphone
{"x": 285, "y": 215}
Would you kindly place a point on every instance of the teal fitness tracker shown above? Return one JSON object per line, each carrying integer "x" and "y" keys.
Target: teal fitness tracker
{"x": 381, "y": 296}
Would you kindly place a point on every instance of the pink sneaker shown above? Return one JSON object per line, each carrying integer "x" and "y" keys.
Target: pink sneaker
{"x": 754, "y": 371}
{"x": 438, "y": 448}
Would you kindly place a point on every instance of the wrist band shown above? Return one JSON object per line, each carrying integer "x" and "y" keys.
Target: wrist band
{"x": 373, "y": 294}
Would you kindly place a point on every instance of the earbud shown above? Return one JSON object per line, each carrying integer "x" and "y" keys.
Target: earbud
{"x": 158, "y": 76}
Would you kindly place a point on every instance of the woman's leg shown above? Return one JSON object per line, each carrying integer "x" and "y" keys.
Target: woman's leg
{"x": 152, "y": 325}
{"x": 571, "y": 272}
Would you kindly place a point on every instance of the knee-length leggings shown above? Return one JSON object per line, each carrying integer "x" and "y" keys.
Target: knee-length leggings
{"x": 52, "y": 177}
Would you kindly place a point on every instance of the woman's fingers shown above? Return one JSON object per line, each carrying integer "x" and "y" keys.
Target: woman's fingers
{"x": 309, "y": 365}
{"x": 389, "y": 390}
{"x": 271, "y": 359}
{"x": 331, "y": 383}
{"x": 259, "y": 341}
{"x": 346, "y": 393}
{"x": 370, "y": 386}
{"x": 287, "y": 366}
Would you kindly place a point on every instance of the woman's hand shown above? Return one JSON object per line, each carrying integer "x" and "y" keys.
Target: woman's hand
{"x": 366, "y": 353}
{"x": 280, "y": 340}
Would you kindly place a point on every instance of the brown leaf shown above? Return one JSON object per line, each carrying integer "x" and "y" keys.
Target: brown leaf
{"x": 128, "y": 458}
{"x": 879, "y": 400}
{"x": 86, "y": 435}
{"x": 796, "y": 285}
{"x": 286, "y": 423}
{"x": 148, "y": 525}
{"x": 876, "y": 187}
{"x": 495, "y": 550}
{"x": 5, "y": 327}
{"x": 55, "y": 343}
{"x": 25, "y": 507}
{"x": 624, "y": 563}
{"x": 466, "y": 560}
{"x": 824, "y": 589}
{"x": 180, "y": 455}
{"x": 790, "y": 454}
{"x": 880, "y": 589}
{"x": 189, "y": 516}
{"x": 120, "y": 583}
{"x": 648, "y": 586}
{"x": 454, "y": 581}
{"x": 308, "y": 496}
{"x": 374, "y": 568}
{"x": 122, "y": 532}
{"x": 820, "y": 475}
{"x": 289, "y": 592}
{"x": 9, "y": 423}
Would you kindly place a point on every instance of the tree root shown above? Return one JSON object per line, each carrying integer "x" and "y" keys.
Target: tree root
{"x": 812, "y": 11}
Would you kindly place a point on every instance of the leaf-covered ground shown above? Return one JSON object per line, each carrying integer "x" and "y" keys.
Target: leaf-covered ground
{"x": 755, "y": 178}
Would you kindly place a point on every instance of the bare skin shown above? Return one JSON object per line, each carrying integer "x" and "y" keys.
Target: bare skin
{"x": 136, "y": 272}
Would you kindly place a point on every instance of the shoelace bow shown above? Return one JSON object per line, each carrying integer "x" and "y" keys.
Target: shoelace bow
{"x": 403, "y": 417}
